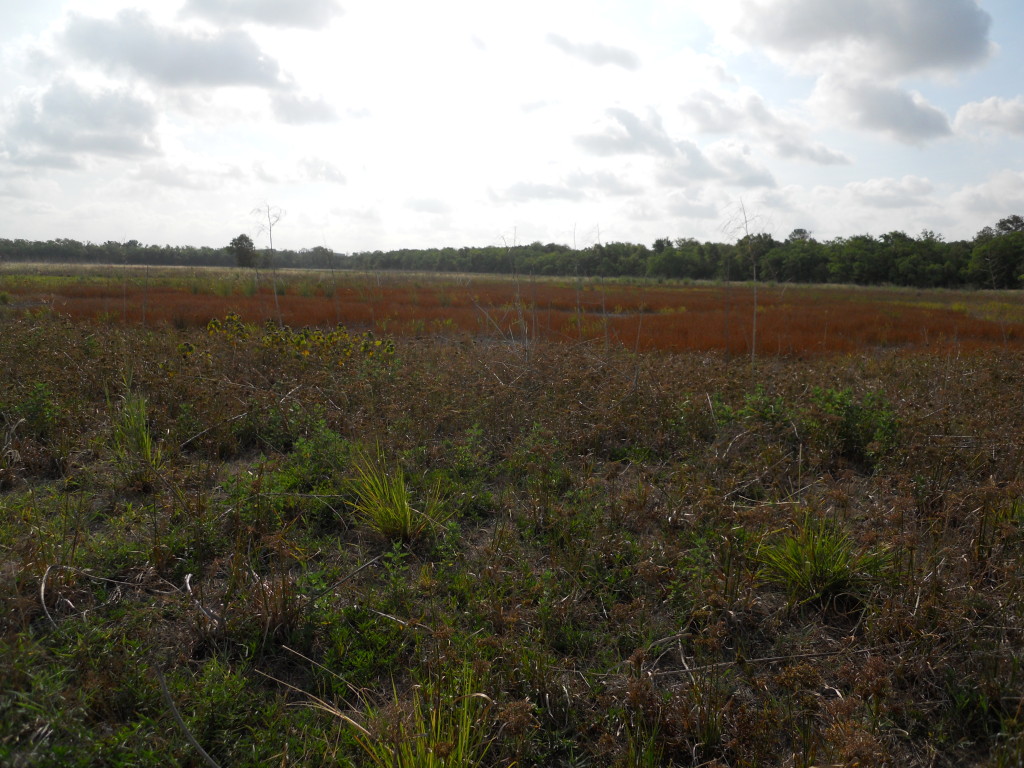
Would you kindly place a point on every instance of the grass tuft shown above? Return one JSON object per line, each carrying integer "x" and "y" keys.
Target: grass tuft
{"x": 821, "y": 565}
{"x": 384, "y": 502}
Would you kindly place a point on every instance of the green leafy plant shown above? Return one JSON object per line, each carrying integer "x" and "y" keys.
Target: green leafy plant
{"x": 861, "y": 430}
{"x": 37, "y": 411}
{"x": 384, "y": 503}
{"x": 821, "y": 564}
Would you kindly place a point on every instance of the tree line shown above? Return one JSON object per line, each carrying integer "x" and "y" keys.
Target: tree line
{"x": 994, "y": 258}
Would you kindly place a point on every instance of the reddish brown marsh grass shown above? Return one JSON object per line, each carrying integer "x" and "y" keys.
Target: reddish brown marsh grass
{"x": 791, "y": 321}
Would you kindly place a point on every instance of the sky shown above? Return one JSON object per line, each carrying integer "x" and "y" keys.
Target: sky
{"x": 382, "y": 124}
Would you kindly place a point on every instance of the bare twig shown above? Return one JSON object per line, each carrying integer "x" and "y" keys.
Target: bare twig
{"x": 42, "y": 594}
{"x": 343, "y": 579}
{"x": 181, "y": 723}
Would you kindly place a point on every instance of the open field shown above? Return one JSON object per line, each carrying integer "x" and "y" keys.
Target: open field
{"x": 601, "y": 545}
{"x": 639, "y": 315}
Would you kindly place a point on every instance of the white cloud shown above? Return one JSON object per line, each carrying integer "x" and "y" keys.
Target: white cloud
{"x": 181, "y": 176}
{"x": 295, "y": 109}
{"x": 688, "y": 167}
{"x": 308, "y": 14}
{"x": 893, "y": 37}
{"x": 803, "y": 149}
{"x": 526, "y": 191}
{"x": 999, "y": 195}
{"x": 66, "y": 120}
{"x": 318, "y": 169}
{"x": 604, "y": 181}
{"x": 627, "y": 134}
{"x": 132, "y": 43}
{"x": 738, "y": 167}
{"x": 713, "y": 114}
{"x": 902, "y": 115}
{"x": 428, "y": 205}
{"x": 597, "y": 54}
{"x": 905, "y": 192}
{"x": 681, "y": 204}
{"x": 750, "y": 114}
{"x": 992, "y": 114}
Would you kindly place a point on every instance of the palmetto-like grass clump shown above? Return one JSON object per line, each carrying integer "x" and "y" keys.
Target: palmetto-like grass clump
{"x": 821, "y": 564}
{"x": 384, "y": 502}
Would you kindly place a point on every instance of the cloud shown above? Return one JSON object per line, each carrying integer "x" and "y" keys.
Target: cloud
{"x": 738, "y": 169}
{"x": 597, "y": 54}
{"x": 133, "y": 43}
{"x": 428, "y": 205}
{"x": 903, "y": 115}
{"x": 603, "y": 181}
{"x": 713, "y": 114}
{"x": 524, "y": 192}
{"x": 992, "y": 114}
{"x": 1000, "y": 195}
{"x": 305, "y": 14}
{"x": 35, "y": 159}
{"x": 906, "y": 192}
{"x": 366, "y": 216}
{"x": 533, "y": 106}
{"x": 682, "y": 205}
{"x": 317, "y": 169}
{"x": 294, "y": 109}
{"x": 182, "y": 177}
{"x": 264, "y": 175}
{"x": 680, "y": 163}
{"x": 801, "y": 149}
{"x": 627, "y": 135}
{"x": 687, "y": 166}
{"x": 67, "y": 120}
{"x": 896, "y": 37}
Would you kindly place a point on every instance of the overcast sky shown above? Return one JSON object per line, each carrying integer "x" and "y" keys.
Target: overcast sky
{"x": 400, "y": 123}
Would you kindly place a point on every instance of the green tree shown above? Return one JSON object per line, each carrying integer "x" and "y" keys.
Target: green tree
{"x": 998, "y": 262}
{"x": 244, "y": 251}
{"x": 1010, "y": 224}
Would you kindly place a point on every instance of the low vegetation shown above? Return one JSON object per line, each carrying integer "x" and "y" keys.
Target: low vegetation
{"x": 316, "y": 546}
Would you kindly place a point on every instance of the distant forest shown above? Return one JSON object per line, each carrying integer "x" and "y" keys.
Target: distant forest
{"x": 993, "y": 259}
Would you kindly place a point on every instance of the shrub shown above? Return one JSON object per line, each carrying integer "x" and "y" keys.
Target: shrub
{"x": 859, "y": 430}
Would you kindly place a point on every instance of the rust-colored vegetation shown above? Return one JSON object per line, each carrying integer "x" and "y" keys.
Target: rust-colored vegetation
{"x": 790, "y": 320}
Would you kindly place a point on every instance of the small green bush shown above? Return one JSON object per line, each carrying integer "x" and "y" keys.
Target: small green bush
{"x": 859, "y": 430}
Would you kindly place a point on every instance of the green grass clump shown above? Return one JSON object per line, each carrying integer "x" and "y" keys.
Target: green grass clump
{"x": 821, "y": 565}
{"x": 445, "y": 725}
{"x": 384, "y": 502}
